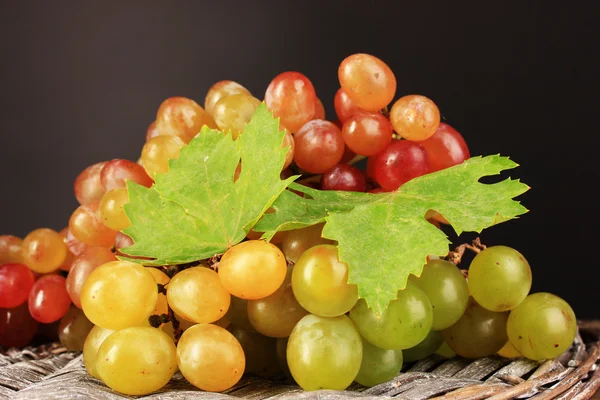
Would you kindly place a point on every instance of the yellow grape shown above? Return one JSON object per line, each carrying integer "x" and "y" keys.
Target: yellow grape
{"x": 90, "y": 348}
{"x": 252, "y": 270}
{"x": 277, "y": 314}
{"x": 161, "y": 302}
{"x": 43, "y": 250}
{"x": 111, "y": 209}
{"x": 86, "y": 226}
{"x": 415, "y": 117}
{"x": 238, "y": 313}
{"x": 198, "y": 295}
{"x": 137, "y": 360}
{"x": 157, "y": 152}
{"x": 221, "y": 90}
{"x": 509, "y": 351}
{"x": 10, "y": 249}
{"x": 182, "y": 117}
{"x": 210, "y": 357}
{"x": 233, "y": 112}
{"x": 119, "y": 294}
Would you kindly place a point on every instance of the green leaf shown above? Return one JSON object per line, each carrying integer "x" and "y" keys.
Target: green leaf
{"x": 384, "y": 237}
{"x": 196, "y": 210}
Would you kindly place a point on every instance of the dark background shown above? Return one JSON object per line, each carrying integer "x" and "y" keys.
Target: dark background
{"x": 81, "y": 81}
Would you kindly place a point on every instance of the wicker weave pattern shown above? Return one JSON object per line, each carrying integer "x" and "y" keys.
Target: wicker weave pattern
{"x": 53, "y": 373}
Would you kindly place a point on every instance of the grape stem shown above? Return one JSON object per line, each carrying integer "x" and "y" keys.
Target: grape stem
{"x": 456, "y": 255}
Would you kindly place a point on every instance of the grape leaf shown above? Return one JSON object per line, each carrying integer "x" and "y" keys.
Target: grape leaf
{"x": 196, "y": 210}
{"x": 384, "y": 237}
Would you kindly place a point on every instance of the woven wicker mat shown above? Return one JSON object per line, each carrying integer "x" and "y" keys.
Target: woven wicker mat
{"x": 50, "y": 372}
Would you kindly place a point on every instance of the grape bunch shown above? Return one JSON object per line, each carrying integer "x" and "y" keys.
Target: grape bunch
{"x": 283, "y": 307}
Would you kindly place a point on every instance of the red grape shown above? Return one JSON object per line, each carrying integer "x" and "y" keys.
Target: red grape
{"x": 320, "y": 113}
{"x": 343, "y": 177}
{"x": 48, "y": 299}
{"x": 367, "y": 133}
{"x": 17, "y": 328}
{"x": 319, "y": 146}
{"x": 445, "y": 148}
{"x": 116, "y": 172}
{"x": 87, "y": 226}
{"x": 368, "y": 81}
{"x": 400, "y": 162}
{"x": 344, "y": 107}
{"x": 88, "y": 187}
{"x": 292, "y": 98}
{"x": 75, "y": 245}
{"x": 16, "y": 281}
{"x": 348, "y": 155}
{"x": 84, "y": 264}
{"x": 182, "y": 117}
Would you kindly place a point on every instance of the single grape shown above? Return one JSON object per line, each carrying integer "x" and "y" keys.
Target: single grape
{"x": 233, "y": 112}
{"x": 16, "y": 281}
{"x": 324, "y": 353}
{"x": 157, "y": 152}
{"x": 87, "y": 226}
{"x": 43, "y": 250}
{"x": 320, "y": 110}
{"x": 136, "y": 360}
{"x": 378, "y": 365}
{"x": 10, "y": 249}
{"x": 73, "y": 329}
{"x": 509, "y": 351}
{"x": 499, "y": 278}
{"x": 17, "y": 327}
{"x": 445, "y": 351}
{"x": 344, "y": 107}
{"x": 48, "y": 299}
{"x": 88, "y": 186}
{"x": 320, "y": 282}
{"x": 84, "y": 264}
{"x": 415, "y": 117}
{"x": 238, "y": 313}
{"x": 366, "y": 133}
{"x": 252, "y": 270}
{"x": 427, "y": 347}
{"x": 220, "y": 90}
{"x": 259, "y": 352}
{"x": 447, "y": 290}
{"x": 404, "y": 323}
{"x": 297, "y": 241}
{"x": 90, "y": 348}
{"x": 198, "y": 295}
{"x": 119, "y": 294}
{"x": 111, "y": 209}
{"x": 181, "y": 117}
{"x": 344, "y": 177}
{"x": 319, "y": 146}
{"x": 445, "y": 148}
{"x": 152, "y": 131}
{"x": 292, "y": 98}
{"x": 542, "y": 327}
{"x": 277, "y": 314}
{"x": 400, "y": 162}
{"x": 74, "y": 245}
{"x": 117, "y": 172}
{"x": 479, "y": 332}
{"x": 210, "y": 357}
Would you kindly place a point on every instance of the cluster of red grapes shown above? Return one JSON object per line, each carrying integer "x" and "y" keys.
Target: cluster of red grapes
{"x": 261, "y": 312}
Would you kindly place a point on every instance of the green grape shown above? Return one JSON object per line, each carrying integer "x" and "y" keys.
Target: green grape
{"x": 281, "y": 353}
{"x": 238, "y": 313}
{"x": 198, "y": 295}
{"x": 210, "y": 357}
{"x": 378, "y": 365}
{"x": 137, "y": 361}
{"x": 119, "y": 294}
{"x": 73, "y": 329}
{"x": 324, "y": 353}
{"x": 260, "y": 352}
{"x": 404, "y": 324}
{"x": 447, "y": 290}
{"x": 445, "y": 351}
{"x": 478, "y": 333}
{"x": 427, "y": 347}
{"x": 320, "y": 282}
{"x": 277, "y": 314}
{"x": 542, "y": 327}
{"x": 499, "y": 278}
{"x": 90, "y": 348}
{"x": 297, "y": 241}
